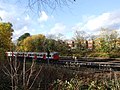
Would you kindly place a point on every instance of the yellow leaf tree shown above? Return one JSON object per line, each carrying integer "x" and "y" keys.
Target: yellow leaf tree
{"x": 5, "y": 37}
{"x": 32, "y": 43}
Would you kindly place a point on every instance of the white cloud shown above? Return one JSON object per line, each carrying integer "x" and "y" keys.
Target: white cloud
{"x": 98, "y": 22}
{"x": 22, "y": 23}
{"x": 94, "y": 23}
{"x": 58, "y": 28}
{"x": 2, "y": 13}
{"x": 8, "y": 11}
{"x": 77, "y": 26}
{"x": 18, "y": 19}
{"x": 42, "y": 25}
{"x": 43, "y": 17}
{"x": 19, "y": 32}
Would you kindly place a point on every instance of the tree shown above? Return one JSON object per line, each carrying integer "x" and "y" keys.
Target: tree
{"x": 107, "y": 40}
{"x": 23, "y": 76}
{"x": 32, "y": 43}
{"x": 113, "y": 37}
{"x": 22, "y": 37}
{"x": 38, "y": 42}
{"x": 5, "y": 37}
{"x": 80, "y": 38}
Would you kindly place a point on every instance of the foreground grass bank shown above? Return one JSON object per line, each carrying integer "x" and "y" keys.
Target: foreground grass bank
{"x": 54, "y": 77}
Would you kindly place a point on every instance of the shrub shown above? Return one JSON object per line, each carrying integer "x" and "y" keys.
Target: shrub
{"x": 99, "y": 55}
{"x": 2, "y": 54}
{"x": 106, "y": 55}
{"x": 77, "y": 84}
{"x": 4, "y": 80}
{"x": 93, "y": 55}
{"x": 114, "y": 55}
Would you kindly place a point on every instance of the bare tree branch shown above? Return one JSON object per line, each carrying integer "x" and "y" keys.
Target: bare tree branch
{"x": 7, "y": 71}
{"x": 35, "y": 77}
{"x": 44, "y": 4}
{"x": 24, "y": 67}
{"x": 31, "y": 72}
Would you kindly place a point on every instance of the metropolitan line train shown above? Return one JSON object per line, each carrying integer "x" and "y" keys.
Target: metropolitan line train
{"x": 53, "y": 56}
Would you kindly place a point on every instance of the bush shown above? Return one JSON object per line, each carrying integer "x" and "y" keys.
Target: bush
{"x": 73, "y": 84}
{"x": 2, "y": 54}
{"x": 114, "y": 55}
{"x": 105, "y": 55}
{"x": 4, "y": 80}
{"x": 77, "y": 84}
{"x": 93, "y": 55}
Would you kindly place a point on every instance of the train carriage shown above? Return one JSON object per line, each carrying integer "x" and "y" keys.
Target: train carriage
{"x": 53, "y": 56}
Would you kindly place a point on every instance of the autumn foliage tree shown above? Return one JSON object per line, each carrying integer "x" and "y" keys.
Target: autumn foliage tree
{"x": 5, "y": 37}
{"x": 33, "y": 43}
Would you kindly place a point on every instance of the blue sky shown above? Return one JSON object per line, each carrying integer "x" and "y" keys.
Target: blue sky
{"x": 86, "y": 15}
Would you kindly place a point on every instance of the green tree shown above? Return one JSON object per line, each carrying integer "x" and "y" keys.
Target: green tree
{"x": 22, "y": 37}
{"x": 38, "y": 42}
{"x": 107, "y": 40}
{"x": 62, "y": 47}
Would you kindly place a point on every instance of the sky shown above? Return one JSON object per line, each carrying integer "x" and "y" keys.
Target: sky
{"x": 86, "y": 15}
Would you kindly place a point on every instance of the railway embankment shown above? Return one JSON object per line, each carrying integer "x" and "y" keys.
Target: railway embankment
{"x": 91, "y": 59}
{"x": 100, "y": 63}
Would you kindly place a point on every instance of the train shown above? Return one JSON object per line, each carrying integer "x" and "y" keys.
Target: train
{"x": 53, "y": 56}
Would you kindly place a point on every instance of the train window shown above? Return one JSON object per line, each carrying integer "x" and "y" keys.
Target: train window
{"x": 49, "y": 55}
{"x": 41, "y": 55}
{"x": 56, "y": 54}
{"x": 31, "y": 54}
{"x": 37, "y": 54}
